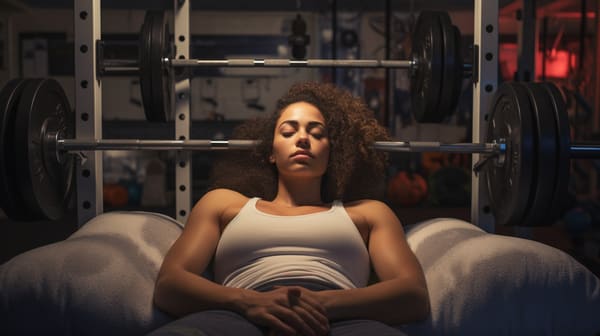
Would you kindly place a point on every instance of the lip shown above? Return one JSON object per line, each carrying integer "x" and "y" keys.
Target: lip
{"x": 302, "y": 153}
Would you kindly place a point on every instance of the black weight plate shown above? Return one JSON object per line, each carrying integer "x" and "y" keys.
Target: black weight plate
{"x": 452, "y": 68}
{"x": 426, "y": 76}
{"x": 161, "y": 47}
{"x": 563, "y": 144}
{"x": 10, "y": 197}
{"x": 156, "y": 76}
{"x": 156, "y": 53}
{"x": 145, "y": 47}
{"x": 458, "y": 75}
{"x": 46, "y": 182}
{"x": 508, "y": 182}
{"x": 544, "y": 178}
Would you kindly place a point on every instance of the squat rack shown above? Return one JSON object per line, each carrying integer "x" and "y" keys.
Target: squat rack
{"x": 88, "y": 105}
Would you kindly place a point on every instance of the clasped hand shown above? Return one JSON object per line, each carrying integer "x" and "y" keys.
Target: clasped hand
{"x": 287, "y": 310}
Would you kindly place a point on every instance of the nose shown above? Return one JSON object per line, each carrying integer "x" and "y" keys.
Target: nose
{"x": 303, "y": 141}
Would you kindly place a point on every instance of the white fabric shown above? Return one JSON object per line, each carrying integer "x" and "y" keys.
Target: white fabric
{"x": 487, "y": 284}
{"x": 257, "y": 248}
{"x": 100, "y": 281}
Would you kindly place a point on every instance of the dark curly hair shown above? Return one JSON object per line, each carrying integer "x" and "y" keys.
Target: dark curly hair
{"x": 355, "y": 170}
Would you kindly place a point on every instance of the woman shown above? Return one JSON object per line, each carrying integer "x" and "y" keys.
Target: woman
{"x": 293, "y": 231}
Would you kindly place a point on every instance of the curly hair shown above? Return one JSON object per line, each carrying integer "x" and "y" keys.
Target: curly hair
{"x": 355, "y": 170}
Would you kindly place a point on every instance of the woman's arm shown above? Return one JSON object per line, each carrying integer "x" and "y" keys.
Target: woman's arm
{"x": 180, "y": 290}
{"x": 401, "y": 295}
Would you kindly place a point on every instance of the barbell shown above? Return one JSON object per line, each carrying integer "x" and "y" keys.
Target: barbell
{"x": 436, "y": 58}
{"x": 525, "y": 157}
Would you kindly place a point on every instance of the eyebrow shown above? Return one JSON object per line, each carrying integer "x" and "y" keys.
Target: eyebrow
{"x": 295, "y": 123}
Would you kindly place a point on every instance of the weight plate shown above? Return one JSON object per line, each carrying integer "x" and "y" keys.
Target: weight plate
{"x": 45, "y": 179}
{"x": 426, "y": 75}
{"x": 155, "y": 78}
{"x": 10, "y": 197}
{"x": 160, "y": 89}
{"x": 156, "y": 66}
{"x": 563, "y": 144}
{"x": 458, "y": 75}
{"x": 145, "y": 47}
{"x": 508, "y": 178}
{"x": 451, "y": 69}
{"x": 544, "y": 176}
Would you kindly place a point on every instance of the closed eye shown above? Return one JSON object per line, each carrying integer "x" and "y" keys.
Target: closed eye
{"x": 318, "y": 135}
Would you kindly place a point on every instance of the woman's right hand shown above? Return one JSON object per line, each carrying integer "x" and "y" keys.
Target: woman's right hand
{"x": 284, "y": 311}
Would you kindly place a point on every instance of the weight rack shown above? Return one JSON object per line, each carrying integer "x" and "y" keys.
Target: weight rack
{"x": 88, "y": 105}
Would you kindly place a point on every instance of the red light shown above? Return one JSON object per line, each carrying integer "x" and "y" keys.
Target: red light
{"x": 557, "y": 64}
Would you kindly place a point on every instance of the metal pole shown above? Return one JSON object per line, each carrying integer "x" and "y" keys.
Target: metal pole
{"x": 287, "y": 63}
{"x": 596, "y": 92}
{"x": 584, "y": 151}
{"x": 389, "y": 92}
{"x": 334, "y": 34}
{"x": 182, "y": 105}
{"x": 527, "y": 43}
{"x": 88, "y": 104}
{"x": 74, "y": 145}
{"x": 485, "y": 82}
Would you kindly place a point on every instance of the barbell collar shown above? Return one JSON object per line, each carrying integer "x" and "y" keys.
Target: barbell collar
{"x": 288, "y": 63}
{"x": 74, "y": 145}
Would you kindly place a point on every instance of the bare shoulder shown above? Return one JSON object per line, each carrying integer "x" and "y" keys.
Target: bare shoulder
{"x": 222, "y": 195}
{"x": 372, "y": 211}
{"x": 219, "y": 203}
{"x": 367, "y": 205}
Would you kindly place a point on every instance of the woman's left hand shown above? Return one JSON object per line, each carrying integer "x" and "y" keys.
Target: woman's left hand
{"x": 308, "y": 305}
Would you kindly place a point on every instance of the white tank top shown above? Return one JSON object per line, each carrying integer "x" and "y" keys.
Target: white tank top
{"x": 257, "y": 249}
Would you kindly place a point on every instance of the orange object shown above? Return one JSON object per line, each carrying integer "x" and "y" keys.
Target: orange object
{"x": 407, "y": 189}
{"x": 432, "y": 162}
{"x": 115, "y": 195}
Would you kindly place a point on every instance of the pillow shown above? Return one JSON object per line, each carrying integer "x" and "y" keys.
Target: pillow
{"x": 487, "y": 284}
{"x": 99, "y": 281}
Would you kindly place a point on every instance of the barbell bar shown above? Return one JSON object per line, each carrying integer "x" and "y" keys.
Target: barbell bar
{"x": 576, "y": 150}
{"x": 116, "y": 66}
{"x": 73, "y": 145}
{"x": 436, "y": 66}
{"x": 287, "y": 63}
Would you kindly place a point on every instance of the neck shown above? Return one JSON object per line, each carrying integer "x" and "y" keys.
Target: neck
{"x": 299, "y": 192}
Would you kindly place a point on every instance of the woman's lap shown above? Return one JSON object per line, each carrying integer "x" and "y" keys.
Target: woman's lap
{"x": 226, "y": 323}
{"x": 209, "y": 323}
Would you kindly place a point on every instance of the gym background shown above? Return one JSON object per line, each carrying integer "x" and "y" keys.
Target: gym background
{"x": 36, "y": 40}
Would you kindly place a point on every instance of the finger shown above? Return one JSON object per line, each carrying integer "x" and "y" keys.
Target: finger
{"x": 312, "y": 317}
{"x": 311, "y": 300}
{"x": 277, "y": 327}
{"x": 294, "y": 291}
{"x": 294, "y": 320}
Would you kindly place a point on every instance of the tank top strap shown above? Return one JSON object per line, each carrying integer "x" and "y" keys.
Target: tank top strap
{"x": 337, "y": 204}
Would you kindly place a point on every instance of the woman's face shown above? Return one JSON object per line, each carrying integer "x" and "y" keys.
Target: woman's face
{"x": 300, "y": 141}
